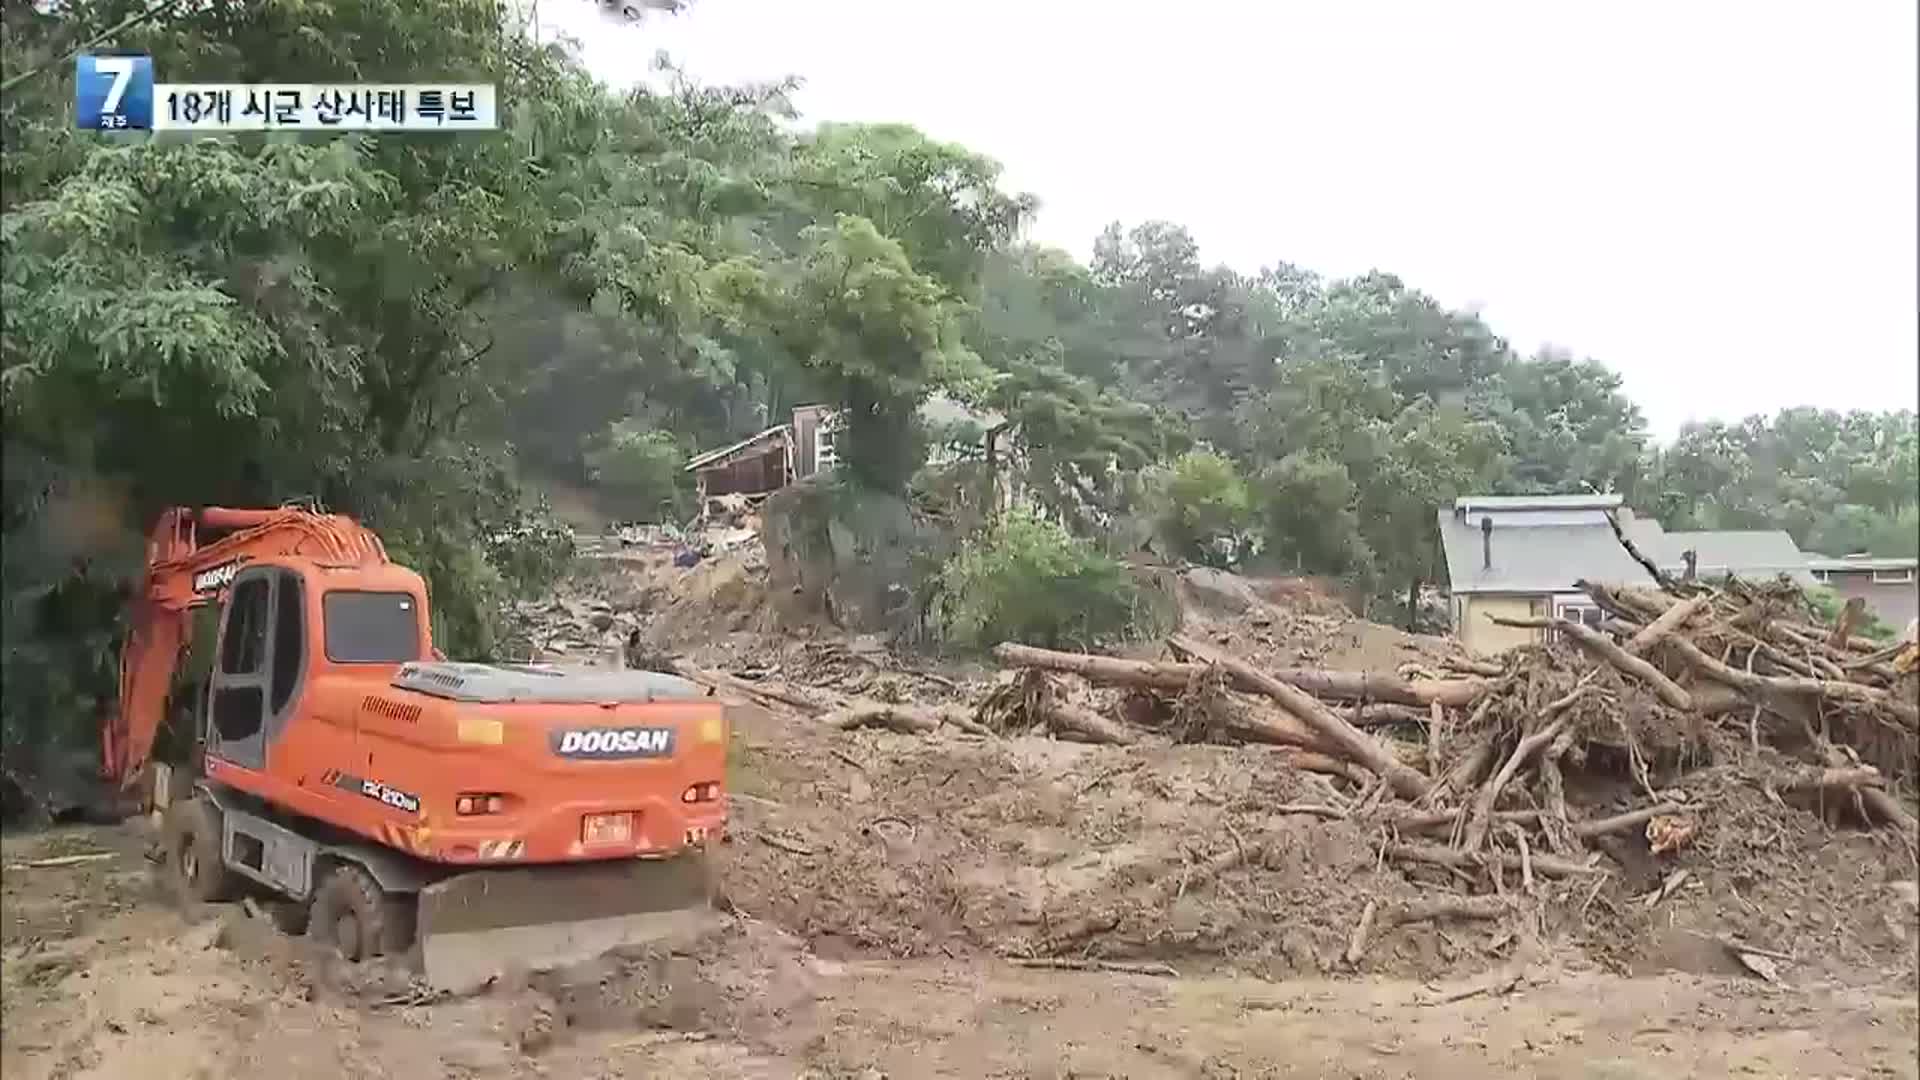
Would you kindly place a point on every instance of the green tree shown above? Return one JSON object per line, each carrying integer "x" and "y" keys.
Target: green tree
{"x": 641, "y": 471}
{"x": 1838, "y": 482}
{"x": 1201, "y": 507}
{"x": 939, "y": 202}
{"x": 1308, "y": 507}
{"x": 1078, "y": 445}
{"x": 1029, "y": 580}
{"x": 879, "y": 335}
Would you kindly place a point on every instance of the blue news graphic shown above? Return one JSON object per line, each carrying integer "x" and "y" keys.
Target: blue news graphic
{"x": 113, "y": 93}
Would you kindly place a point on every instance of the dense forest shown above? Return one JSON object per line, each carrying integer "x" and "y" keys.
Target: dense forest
{"x": 425, "y": 331}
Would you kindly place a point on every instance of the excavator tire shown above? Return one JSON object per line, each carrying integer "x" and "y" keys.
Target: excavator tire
{"x": 193, "y": 851}
{"x": 358, "y": 919}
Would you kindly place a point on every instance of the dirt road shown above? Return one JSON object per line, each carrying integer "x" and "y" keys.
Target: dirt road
{"x": 103, "y": 979}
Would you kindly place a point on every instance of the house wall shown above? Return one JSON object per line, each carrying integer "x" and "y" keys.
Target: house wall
{"x": 806, "y": 427}
{"x": 1894, "y": 603}
{"x": 1476, "y": 632}
{"x": 753, "y": 475}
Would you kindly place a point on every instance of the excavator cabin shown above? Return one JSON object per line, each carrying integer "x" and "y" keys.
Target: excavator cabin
{"x": 298, "y": 635}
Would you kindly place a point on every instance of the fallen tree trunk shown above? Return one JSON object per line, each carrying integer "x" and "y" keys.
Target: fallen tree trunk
{"x": 1175, "y": 675}
{"x": 1669, "y": 621}
{"x": 1463, "y": 772}
{"x": 1623, "y": 604}
{"x": 1850, "y": 616}
{"x": 1428, "y": 821}
{"x": 1077, "y": 722}
{"x": 1380, "y": 714}
{"x": 1151, "y": 674}
{"x": 1587, "y": 830}
{"x": 1820, "y": 634}
{"x": 1244, "y": 720}
{"x": 1864, "y": 776}
{"x": 1831, "y": 689}
{"x": 1883, "y": 804}
{"x": 1350, "y": 741}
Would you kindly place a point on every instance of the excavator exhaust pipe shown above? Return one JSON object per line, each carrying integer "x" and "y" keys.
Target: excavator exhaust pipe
{"x": 478, "y": 926}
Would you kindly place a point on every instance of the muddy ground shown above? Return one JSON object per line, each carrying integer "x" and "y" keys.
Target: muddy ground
{"x": 880, "y": 890}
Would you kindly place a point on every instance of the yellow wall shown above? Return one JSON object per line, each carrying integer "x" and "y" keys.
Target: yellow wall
{"x": 1484, "y": 637}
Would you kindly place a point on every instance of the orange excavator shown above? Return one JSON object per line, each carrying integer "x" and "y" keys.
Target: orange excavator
{"x": 469, "y": 818}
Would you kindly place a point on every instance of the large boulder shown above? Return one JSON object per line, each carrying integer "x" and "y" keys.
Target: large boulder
{"x": 848, "y": 558}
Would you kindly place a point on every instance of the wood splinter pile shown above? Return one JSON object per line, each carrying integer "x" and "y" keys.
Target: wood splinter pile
{"x": 1688, "y": 671}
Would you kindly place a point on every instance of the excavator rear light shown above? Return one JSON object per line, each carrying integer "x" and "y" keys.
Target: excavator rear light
{"x": 699, "y": 793}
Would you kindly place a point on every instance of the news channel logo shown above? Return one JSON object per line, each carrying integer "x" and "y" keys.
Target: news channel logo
{"x": 113, "y": 93}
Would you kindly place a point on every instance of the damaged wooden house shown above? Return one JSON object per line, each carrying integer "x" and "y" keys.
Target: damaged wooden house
{"x": 761, "y": 464}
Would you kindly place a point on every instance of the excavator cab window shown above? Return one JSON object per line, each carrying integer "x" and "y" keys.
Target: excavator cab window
{"x": 238, "y": 693}
{"x": 245, "y": 646}
{"x": 289, "y": 637}
{"x": 263, "y": 654}
{"x": 371, "y": 627}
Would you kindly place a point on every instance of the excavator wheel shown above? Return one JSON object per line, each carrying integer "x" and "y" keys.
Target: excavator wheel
{"x": 357, "y": 918}
{"x": 193, "y": 851}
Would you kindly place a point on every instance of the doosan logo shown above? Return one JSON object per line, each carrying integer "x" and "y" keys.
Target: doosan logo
{"x": 614, "y": 742}
{"x": 216, "y": 577}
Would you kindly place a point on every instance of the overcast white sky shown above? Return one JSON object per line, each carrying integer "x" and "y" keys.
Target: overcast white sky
{"x": 1716, "y": 198}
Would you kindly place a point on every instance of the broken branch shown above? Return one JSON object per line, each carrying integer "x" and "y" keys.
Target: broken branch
{"x": 1460, "y": 860}
{"x": 1068, "y": 963}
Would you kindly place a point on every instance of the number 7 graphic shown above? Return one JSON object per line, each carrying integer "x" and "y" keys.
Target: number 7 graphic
{"x": 121, "y": 68}
{"x": 113, "y": 93}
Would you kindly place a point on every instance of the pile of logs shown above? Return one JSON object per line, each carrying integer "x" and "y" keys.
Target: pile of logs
{"x": 1740, "y": 673}
{"x": 1744, "y": 664}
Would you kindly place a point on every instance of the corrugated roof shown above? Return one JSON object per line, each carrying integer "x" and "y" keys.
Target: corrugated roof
{"x": 1538, "y": 559}
{"x": 1533, "y": 558}
{"x": 712, "y": 456}
{"x": 1862, "y": 562}
{"x": 1754, "y": 553}
{"x": 1537, "y": 502}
